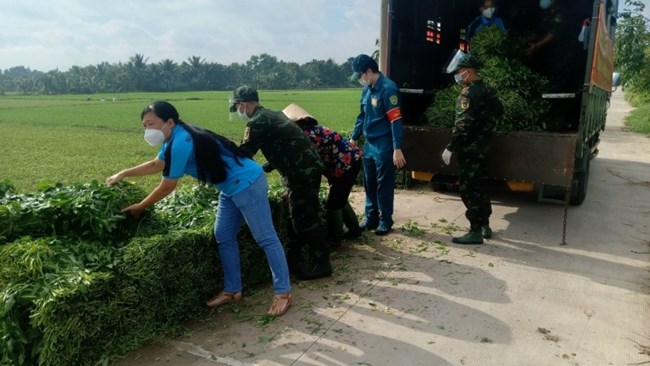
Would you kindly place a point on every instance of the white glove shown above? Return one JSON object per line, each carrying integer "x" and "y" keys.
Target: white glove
{"x": 446, "y": 156}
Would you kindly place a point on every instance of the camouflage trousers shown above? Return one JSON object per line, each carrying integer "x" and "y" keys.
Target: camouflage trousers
{"x": 305, "y": 210}
{"x": 471, "y": 172}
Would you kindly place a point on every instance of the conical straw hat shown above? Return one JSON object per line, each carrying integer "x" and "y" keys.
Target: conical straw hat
{"x": 295, "y": 113}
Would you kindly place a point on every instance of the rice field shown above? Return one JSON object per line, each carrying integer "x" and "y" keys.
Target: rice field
{"x": 80, "y": 138}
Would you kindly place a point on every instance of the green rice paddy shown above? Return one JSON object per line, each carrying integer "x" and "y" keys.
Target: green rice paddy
{"x": 80, "y": 138}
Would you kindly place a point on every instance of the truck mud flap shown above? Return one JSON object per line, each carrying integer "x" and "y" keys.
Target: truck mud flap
{"x": 533, "y": 157}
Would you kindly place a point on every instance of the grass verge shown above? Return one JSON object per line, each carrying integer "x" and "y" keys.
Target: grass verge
{"x": 639, "y": 118}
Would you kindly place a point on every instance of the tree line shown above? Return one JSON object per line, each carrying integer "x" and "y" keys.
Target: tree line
{"x": 633, "y": 48}
{"x": 195, "y": 74}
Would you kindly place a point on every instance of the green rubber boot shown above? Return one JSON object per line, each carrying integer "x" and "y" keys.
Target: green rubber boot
{"x": 486, "y": 231}
{"x": 473, "y": 237}
{"x": 334, "y": 227}
{"x": 351, "y": 223}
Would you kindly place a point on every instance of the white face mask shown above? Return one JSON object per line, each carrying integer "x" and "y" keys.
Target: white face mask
{"x": 458, "y": 77}
{"x": 362, "y": 81}
{"x": 154, "y": 136}
{"x": 488, "y": 12}
{"x": 244, "y": 117}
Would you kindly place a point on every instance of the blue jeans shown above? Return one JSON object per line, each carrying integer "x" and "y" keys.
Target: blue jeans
{"x": 252, "y": 205}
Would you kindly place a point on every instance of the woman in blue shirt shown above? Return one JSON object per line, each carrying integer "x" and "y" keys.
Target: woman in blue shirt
{"x": 213, "y": 159}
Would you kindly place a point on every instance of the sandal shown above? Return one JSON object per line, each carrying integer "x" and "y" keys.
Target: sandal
{"x": 281, "y": 304}
{"x": 223, "y": 298}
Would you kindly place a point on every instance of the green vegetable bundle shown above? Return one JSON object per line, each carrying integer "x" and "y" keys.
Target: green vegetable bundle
{"x": 91, "y": 211}
{"x": 443, "y": 107}
{"x": 518, "y": 88}
{"x": 72, "y": 300}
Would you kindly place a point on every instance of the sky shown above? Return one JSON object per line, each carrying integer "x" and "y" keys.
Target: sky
{"x": 56, "y": 34}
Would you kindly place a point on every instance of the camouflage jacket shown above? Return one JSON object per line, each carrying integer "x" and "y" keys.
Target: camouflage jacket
{"x": 476, "y": 108}
{"x": 283, "y": 144}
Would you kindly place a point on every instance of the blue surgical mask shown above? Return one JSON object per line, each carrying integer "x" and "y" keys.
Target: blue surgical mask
{"x": 544, "y": 4}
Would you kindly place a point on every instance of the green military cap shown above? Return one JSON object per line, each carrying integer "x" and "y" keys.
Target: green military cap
{"x": 243, "y": 94}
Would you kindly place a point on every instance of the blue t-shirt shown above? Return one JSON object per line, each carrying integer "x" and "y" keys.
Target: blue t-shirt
{"x": 182, "y": 162}
{"x": 380, "y": 117}
{"x": 481, "y": 22}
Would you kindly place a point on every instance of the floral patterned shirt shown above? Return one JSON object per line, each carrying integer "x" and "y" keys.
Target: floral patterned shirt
{"x": 335, "y": 151}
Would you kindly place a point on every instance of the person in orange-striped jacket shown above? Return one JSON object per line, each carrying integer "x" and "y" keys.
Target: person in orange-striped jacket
{"x": 380, "y": 121}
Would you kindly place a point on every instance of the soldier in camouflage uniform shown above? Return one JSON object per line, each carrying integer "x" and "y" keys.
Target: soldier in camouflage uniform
{"x": 289, "y": 151}
{"x": 476, "y": 107}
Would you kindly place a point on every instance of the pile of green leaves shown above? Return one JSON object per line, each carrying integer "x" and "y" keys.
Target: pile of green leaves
{"x": 35, "y": 272}
{"x": 442, "y": 110}
{"x": 91, "y": 210}
{"x": 67, "y": 298}
{"x": 518, "y": 88}
{"x": 191, "y": 206}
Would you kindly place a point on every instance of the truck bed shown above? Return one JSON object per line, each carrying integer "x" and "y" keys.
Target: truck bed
{"x": 533, "y": 157}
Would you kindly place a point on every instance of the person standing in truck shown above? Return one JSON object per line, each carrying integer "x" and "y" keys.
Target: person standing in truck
{"x": 555, "y": 46}
{"x": 380, "y": 121}
{"x": 486, "y": 19}
{"x": 476, "y": 108}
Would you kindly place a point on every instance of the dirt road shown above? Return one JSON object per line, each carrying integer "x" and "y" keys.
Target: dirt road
{"x": 413, "y": 298}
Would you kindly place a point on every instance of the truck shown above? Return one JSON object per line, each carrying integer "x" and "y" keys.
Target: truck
{"x": 418, "y": 36}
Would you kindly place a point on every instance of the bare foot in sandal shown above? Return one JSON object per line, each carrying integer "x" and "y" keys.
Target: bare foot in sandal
{"x": 223, "y": 298}
{"x": 281, "y": 304}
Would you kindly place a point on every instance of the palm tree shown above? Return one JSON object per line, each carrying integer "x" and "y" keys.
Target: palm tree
{"x": 137, "y": 69}
{"x": 195, "y": 72}
{"x": 168, "y": 73}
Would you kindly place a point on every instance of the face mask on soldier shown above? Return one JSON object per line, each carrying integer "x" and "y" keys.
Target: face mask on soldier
{"x": 244, "y": 117}
{"x": 459, "y": 77}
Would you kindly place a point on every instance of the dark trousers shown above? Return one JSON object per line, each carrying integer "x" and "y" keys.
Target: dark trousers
{"x": 304, "y": 206}
{"x": 471, "y": 172}
{"x": 340, "y": 187}
{"x": 305, "y": 211}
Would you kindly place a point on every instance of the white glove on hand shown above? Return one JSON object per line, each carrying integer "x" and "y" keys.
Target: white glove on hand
{"x": 446, "y": 156}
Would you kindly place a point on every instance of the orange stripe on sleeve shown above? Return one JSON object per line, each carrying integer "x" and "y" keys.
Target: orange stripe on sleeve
{"x": 394, "y": 114}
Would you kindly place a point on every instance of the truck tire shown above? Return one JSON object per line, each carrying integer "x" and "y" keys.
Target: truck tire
{"x": 580, "y": 181}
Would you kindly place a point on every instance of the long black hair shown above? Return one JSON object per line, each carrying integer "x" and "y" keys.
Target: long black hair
{"x": 210, "y": 166}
